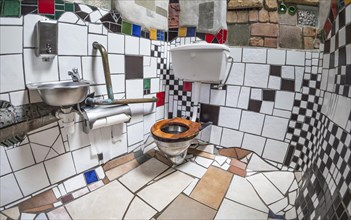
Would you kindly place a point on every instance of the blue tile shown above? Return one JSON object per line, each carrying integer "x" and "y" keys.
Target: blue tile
{"x": 191, "y": 32}
{"x": 274, "y": 216}
{"x": 90, "y": 176}
{"x": 160, "y": 35}
{"x": 136, "y": 30}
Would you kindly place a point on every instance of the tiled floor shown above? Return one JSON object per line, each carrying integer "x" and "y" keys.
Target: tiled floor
{"x": 235, "y": 184}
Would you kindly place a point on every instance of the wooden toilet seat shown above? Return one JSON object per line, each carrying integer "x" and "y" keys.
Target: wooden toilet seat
{"x": 193, "y": 129}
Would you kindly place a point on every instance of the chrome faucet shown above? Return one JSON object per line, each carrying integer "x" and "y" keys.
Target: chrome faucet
{"x": 74, "y": 74}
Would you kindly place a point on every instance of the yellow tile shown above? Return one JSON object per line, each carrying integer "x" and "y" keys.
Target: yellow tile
{"x": 182, "y": 32}
{"x": 153, "y": 34}
{"x": 347, "y": 2}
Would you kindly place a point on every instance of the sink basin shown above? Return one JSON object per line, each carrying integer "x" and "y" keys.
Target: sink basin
{"x": 61, "y": 93}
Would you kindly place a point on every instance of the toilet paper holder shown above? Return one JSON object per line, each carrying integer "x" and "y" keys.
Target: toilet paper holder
{"x": 95, "y": 115}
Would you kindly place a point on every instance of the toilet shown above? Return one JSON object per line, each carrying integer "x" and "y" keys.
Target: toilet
{"x": 200, "y": 62}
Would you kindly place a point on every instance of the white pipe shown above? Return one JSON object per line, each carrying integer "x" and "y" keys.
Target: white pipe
{"x": 196, "y": 91}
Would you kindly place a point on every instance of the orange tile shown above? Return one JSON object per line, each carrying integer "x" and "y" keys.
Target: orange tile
{"x": 182, "y": 32}
{"x": 153, "y": 34}
{"x": 118, "y": 161}
{"x": 237, "y": 171}
{"x": 212, "y": 187}
{"x": 241, "y": 153}
{"x": 39, "y": 202}
{"x": 228, "y": 152}
{"x": 238, "y": 163}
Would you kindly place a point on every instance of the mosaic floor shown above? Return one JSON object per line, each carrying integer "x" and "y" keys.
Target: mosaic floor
{"x": 233, "y": 184}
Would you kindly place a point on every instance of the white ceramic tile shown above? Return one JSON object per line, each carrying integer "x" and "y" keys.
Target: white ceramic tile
{"x": 236, "y": 76}
{"x": 115, "y": 43}
{"x": 155, "y": 85}
{"x": 41, "y": 216}
{"x": 216, "y": 133}
{"x": 258, "y": 164}
{"x": 291, "y": 214}
{"x": 60, "y": 168}
{"x": 32, "y": 179}
{"x": 160, "y": 112}
{"x": 191, "y": 187}
{"x": 231, "y": 138}
{"x": 264, "y": 188}
{"x": 192, "y": 169}
{"x": 244, "y": 97}
{"x": 139, "y": 210}
{"x": 326, "y": 59}
{"x": 282, "y": 180}
{"x": 145, "y": 47}
{"x": 27, "y": 216}
{"x": 267, "y": 108}
{"x": 11, "y": 21}
{"x": 116, "y": 63}
{"x": 275, "y": 127}
{"x": 11, "y": 39}
{"x": 292, "y": 197}
{"x": 282, "y": 113}
{"x": 141, "y": 175}
{"x": 284, "y": 100}
{"x": 295, "y": 58}
{"x": 75, "y": 183}
{"x": 232, "y": 96}
{"x": 299, "y": 71}
{"x": 135, "y": 133}
{"x": 233, "y": 210}
{"x": 96, "y": 185}
{"x": 217, "y": 97}
{"x": 347, "y": 14}
{"x": 56, "y": 192}
{"x": 205, "y": 93}
{"x": 101, "y": 204}
{"x": 251, "y": 122}
{"x": 40, "y": 152}
{"x": 80, "y": 192}
{"x": 12, "y": 72}
{"x": 78, "y": 139}
{"x": 159, "y": 194}
{"x": 276, "y": 57}
{"x": 137, "y": 111}
{"x": 342, "y": 110}
{"x": 134, "y": 88}
{"x": 101, "y": 39}
{"x": 209, "y": 148}
{"x": 256, "y": 75}
{"x": 279, "y": 206}
{"x": 30, "y": 21}
{"x": 66, "y": 64}
{"x": 20, "y": 157}
{"x": 132, "y": 45}
{"x": 49, "y": 134}
{"x": 236, "y": 53}
{"x": 229, "y": 117}
{"x": 94, "y": 28}
{"x": 69, "y": 17}
{"x": 5, "y": 96}
{"x": 253, "y": 143}
{"x": 150, "y": 66}
{"x": 203, "y": 161}
{"x": 62, "y": 189}
{"x": 149, "y": 121}
{"x": 5, "y": 167}
{"x": 348, "y": 54}
{"x": 274, "y": 82}
{"x": 9, "y": 190}
{"x": 342, "y": 36}
{"x": 68, "y": 45}
{"x": 241, "y": 191}
{"x": 275, "y": 150}
{"x": 84, "y": 159}
{"x": 288, "y": 72}
{"x": 256, "y": 94}
{"x": 254, "y": 55}
{"x": 220, "y": 159}
{"x": 93, "y": 69}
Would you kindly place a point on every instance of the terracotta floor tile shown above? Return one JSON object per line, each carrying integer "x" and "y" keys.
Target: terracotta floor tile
{"x": 194, "y": 210}
{"x": 201, "y": 153}
{"x": 228, "y": 152}
{"x": 40, "y": 209}
{"x": 41, "y": 200}
{"x": 238, "y": 163}
{"x": 241, "y": 153}
{"x": 212, "y": 187}
{"x": 237, "y": 171}
{"x": 116, "y": 172}
{"x": 118, "y": 161}
{"x": 67, "y": 198}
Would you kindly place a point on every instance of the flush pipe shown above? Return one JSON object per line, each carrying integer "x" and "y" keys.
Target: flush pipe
{"x": 108, "y": 82}
{"x": 196, "y": 90}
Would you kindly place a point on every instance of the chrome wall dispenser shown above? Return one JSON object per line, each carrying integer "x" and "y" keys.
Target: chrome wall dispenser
{"x": 46, "y": 38}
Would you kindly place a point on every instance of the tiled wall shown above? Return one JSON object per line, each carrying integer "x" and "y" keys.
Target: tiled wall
{"x": 49, "y": 155}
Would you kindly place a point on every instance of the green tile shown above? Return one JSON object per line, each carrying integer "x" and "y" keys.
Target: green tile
{"x": 69, "y": 7}
{"x": 58, "y": 14}
{"x": 147, "y": 84}
{"x": 126, "y": 28}
{"x": 11, "y": 8}
{"x": 60, "y": 7}
{"x": 59, "y": 2}
{"x": 51, "y": 17}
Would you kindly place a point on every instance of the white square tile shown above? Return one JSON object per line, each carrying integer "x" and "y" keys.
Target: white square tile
{"x": 115, "y": 43}
{"x": 150, "y": 67}
{"x": 288, "y": 72}
{"x": 78, "y": 139}
{"x": 93, "y": 69}
{"x": 282, "y": 113}
{"x": 276, "y": 57}
{"x": 49, "y": 134}
{"x": 256, "y": 75}
{"x": 275, "y": 127}
{"x": 275, "y": 150}
{"x": 254, "y": 55}
{"x": 95, "y": 28}
{"x": 244, "y": 97}
{"x": 134, "y": 88}
{"x": 229, "y": 117}
{"x": 149, "y": 121}
{"x": 342, "y": 36}
{"x": 118, "y": 83}
{"x": 5, "y": 167}
{"x": 137, "y": 111}
{"x": 38, "y": 71}
{"x": 347, "y": 14}
{"x": 236, "y": 53}
{"x": 66, "y": 64}
{"x": 135, "y": 133}
{"x": 217, "y": 97}
{"x": 75, "y": 183}
{"x": 256, "y": 94}
{"x": 295, "y": 58}
{"x": 32, "y": 179}
{"x": 251, "y": 122}
{"x": 19, "y": 98}
{"x": 342, "y": 110}
{"x": 132, "y": 45}
{"x": 11, "y": 21}
{"x": 274, "y": 82}
{"x": 155, "y": 85}
{"x": 11, "y": 72}
{"x": 232, "y": 96}
{"x": 299, "y": 71}
{"x": 284, "y": 100}
{"x": 231, "y": 138}
{"x": 11, "y": 39}
{"x": 160, "y": 112}
{"x": 60, "y": 168}
{"x": 254, "y": 143}
{"x": 205, "y": 93}
{"x": 236, "y": 75}
{"x": 145, "y": 47}
{"x": 84, "y": 159}
{"x": 20, "y": 157}
{"x": 216, "y": 133}
{"x": 68, "y": 45}
{"x": 5, "y": 96}
{"x": 9, "y": 190}
{"x": 116, "y": 63}
{"x": 30, "y": 21}
{"x": 101, "y": 39}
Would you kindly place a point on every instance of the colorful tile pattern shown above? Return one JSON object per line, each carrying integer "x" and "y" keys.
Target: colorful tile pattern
{"x": 90, "y": 176}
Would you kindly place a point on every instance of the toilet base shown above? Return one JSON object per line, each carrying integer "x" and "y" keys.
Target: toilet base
{"x": 178, "y": 159}
{"x": 174, "y": 151}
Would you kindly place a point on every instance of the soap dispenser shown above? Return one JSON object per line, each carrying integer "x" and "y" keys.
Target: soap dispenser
{"x": 46, "y": 37}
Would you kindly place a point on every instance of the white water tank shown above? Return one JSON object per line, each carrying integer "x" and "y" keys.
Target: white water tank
{"x": 200, "y": 62}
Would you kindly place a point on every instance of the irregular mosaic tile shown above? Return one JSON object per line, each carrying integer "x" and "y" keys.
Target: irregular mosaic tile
{"x": 160, "y": 194}
{"x": 2, "y": 217}
{"x": 13, "y": 213}
{"x": 237, "y": 171}
{"x": 233, "y": 210}
{"x": 96, "y": 185}
{"x": 201, "y": 153}
{"x": 122, "y": 169}
{"x": 80, "y": 192}
{"x": 291, "y": 214}
{"x": 192, "y": 169}
{"x": 167, "y": 172}
{"x": 206, "y": 148}
{"x": 39, "y": 203}
{"x": 191, "y": 187}
{"x": 58, "y": 214}
{"x": 234, "y": 152}
{"x": 100, "y": 173}
{"x": 279, "y": 206}
{"x": 292, "y": 197}
{"x": 220, "y": 160}
{"x": 216, "y": 179}
{"x": 139, "y": 210}
{"x": 258, "y": 164}
{"x": 74, "y": 183}
{"x": 118, "y": 161}
{"x": 203, "y": 161}
{"x": 27, "y": 216}
{"x": 281, "y": 180}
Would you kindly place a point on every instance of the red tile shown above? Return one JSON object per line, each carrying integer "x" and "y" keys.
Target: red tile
{"x": 222, "y": 36}
{"x": 161, "y": 99}
{"x": 237, "y": 171}
{"x": 46, "y": 6}
{"x": 238, "y": 163}
{"x": 327, "y": 27}
{"x": 209, "y": 38}
{"x": 187, "y": 86}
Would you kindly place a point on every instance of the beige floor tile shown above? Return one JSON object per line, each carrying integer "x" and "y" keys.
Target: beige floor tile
{"x": 184, "y": 207}
{"x": 116, "y": 172}
{"x": 118, "y": 161}
{"x": 58, "y": 214}
{"x": 139, "y": 210}
{"x": 212, "y": 187}
{"x": 233, "y": 210}
{"x": 108, "y": 202}
{"x": 13, "y": 213}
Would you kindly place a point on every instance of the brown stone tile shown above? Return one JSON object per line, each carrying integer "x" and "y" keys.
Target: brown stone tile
{"x": 159, "y": 156}
{"x": 273, "y": 17}
{"x": 118, "y": 161}
{"x": 105, "y": 180}
{"x": 308, "y": 42}
{"x": 265, "y": 30}
{"x": 309, "y": 32}
{"x": 38, "y": 202}
{"x": 228, "y": 152}
{"x": 270, "y": 5}
{"x": 237, "y": 171}
{"x": 201, "y": 153}
{"x": 263, "y": 15}
{"x": 241, "y": 153}
{"x": 290, "y": 37}
{"x": 240, "y": 4}
{"x": 253, "y": 15}
{"x": 212, "y": 187}
{"x": 256, "y": 41}
{"x": 43, "y": 208}
{"x": 238, "y": 163}
{"x": 122, "y": 169}
{"x": 184, "y": 207}
{"x": 270, "y": 42}
{"x": 67, "y": 198}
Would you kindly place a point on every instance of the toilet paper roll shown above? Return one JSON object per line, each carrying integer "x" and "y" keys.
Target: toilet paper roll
{"x": 112, "y": 120}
